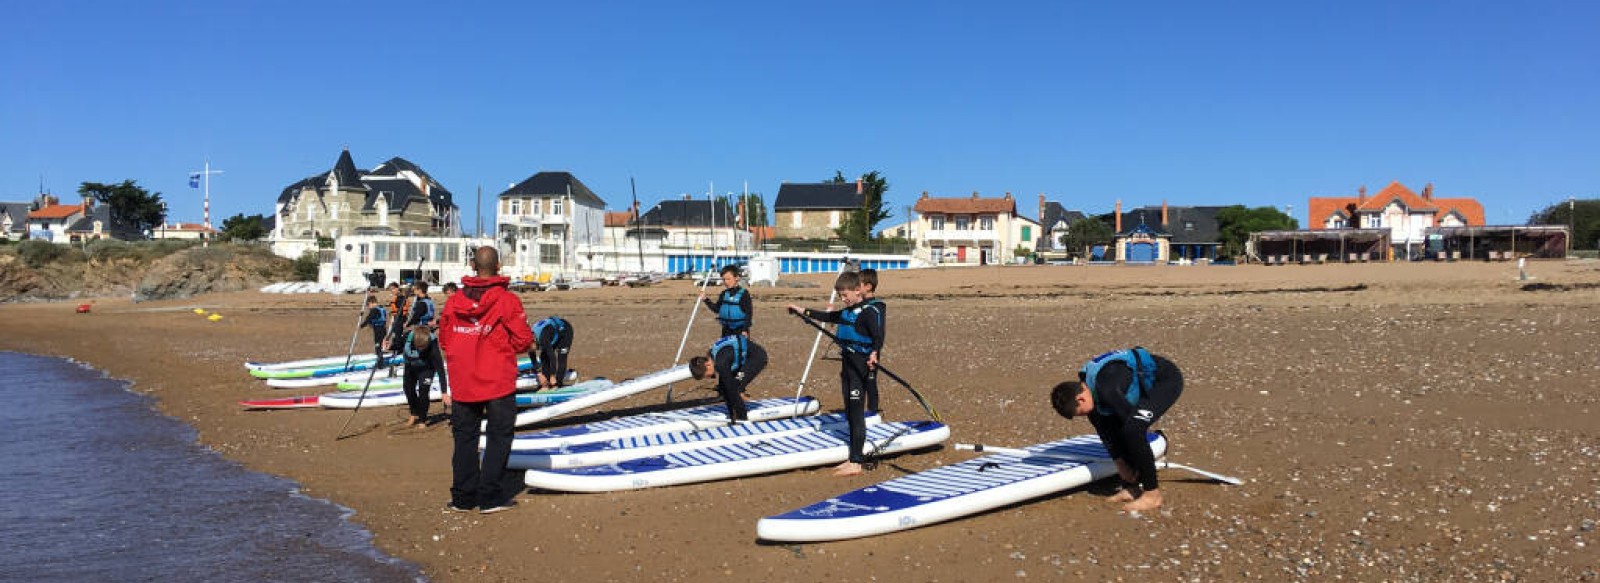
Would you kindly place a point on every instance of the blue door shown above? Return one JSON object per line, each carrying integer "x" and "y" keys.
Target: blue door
{"x": 1141, "y": 253}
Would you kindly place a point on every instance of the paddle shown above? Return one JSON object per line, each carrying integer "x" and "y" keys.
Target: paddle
{"x": 1163, "y": 464}
{"x": 694, "y": 306}
{"x": 370, "y": 374}
{"x": 360, "y": 315}
{"x": 921, "y": 400}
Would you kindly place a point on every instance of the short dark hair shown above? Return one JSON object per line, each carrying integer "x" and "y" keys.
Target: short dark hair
{"x": 421, "y": 286}
{"x": 727, "y": 269}
{"x": 697, "y": 367}
{"x": 1064, "y": 398}
{"x": 450, "y": 287}
{"x": 870, "y": 277}
{"x": 847, "y": 280}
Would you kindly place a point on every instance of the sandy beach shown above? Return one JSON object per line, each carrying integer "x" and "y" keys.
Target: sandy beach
{"x": 1393, "y": 422}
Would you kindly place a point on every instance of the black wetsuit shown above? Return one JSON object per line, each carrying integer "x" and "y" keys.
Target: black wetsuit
{"x": 420, "y": 368}
{"x": 858, "y": 383}
{"x": 376, "y": 319}
{"x": 1122, "y": 425}
{"x": 732, "y": 378}
{"x": 552, "y": 340}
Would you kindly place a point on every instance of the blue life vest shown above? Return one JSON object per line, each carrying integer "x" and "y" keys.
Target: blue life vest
{"x": 730, "y": 313}
{"x": 1137, "y": 359}
{"x": 423, "y": 309}
{"x": 852, "y": 339}
{"x": 741, "y": 349}
{"x": 553, "y": 321}
{"x": 377, "y": 318}
{"x": 412, "y": 355}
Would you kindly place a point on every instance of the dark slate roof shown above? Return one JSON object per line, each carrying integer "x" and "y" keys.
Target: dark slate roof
{"x": 292, "y": 190}
{"x": 686, "y": 213}
{"x": 817, "y": 196}
{"x": 19, "y": 214}
{"x": 436, "y": 192}
{"x": 345, "y": 171}
{"x": 554, "y": 184}
{"x": 1204, "y": 219}
{"x": 399, "y": 191}
{"x": 1053, "y": 212}
{"x": 116, "y": 229}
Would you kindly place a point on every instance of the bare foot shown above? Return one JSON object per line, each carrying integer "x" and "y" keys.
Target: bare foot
{"x": 412, "y": 422}
{"x": 847, "y": 469}
{"x": 1150, "y": 501}
{"x": 1122, "y": 496}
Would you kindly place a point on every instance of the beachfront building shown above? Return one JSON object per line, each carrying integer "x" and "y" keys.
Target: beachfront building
{"x": 972, "y": 230}
{"x": 1406, "y": 214}
{"x": 814, "y": 210}
{"x": 1055, "y": 222}
{"x": 1168, "y": 234}
{"x": 14, "y": 220}
{"x": 395, "y": 198}
{"x": 184, "y": 231}
{"x": 357, "y": 261}
{"x": 541, "y": 223}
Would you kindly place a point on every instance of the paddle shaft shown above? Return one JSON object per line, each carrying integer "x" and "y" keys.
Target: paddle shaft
{"x": 982, "y": 448}
{"x": 361, "y": 314}
{"x": 816, "y": 344}
{"x": 694, "y": 306}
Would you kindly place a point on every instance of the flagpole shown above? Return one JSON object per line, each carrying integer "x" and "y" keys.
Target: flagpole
{"x": 205, "y": 176}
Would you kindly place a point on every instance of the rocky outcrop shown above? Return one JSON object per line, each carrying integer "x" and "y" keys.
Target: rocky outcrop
{"x": 218, "y": 269}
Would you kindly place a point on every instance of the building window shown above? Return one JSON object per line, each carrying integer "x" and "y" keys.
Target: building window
{"x": 1188, "y": 225}
{"x": 963, "y": 222}
{"x": 794, "y": 219}
{"x": 516, "y": 206}
{"x": 937, "y": 221}
{"x": 549, "y": 253}
{"x": 365, "y": 253}
{"x": 534, "y": 206}
{"x": 985, "y": 223}
{"x": 1027, "y": 233}
{"x": 833, "y": 219}
{"x": 555, "y": 207}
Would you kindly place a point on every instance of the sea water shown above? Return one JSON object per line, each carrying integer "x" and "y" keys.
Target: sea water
{"x": 97, "y": 486}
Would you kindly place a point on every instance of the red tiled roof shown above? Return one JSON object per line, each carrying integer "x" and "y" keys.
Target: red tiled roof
{"x": 619, "y": 218}
{"x": 1321, "y": 208}
{"x": 59, "y": 211}
{"x": 973, "y": 205}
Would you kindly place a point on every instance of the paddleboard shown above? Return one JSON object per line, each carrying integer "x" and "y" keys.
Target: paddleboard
{"x": 384, "y": 398}
{"x": 815, "y": 448}
{"x": 948, "y": 492}
{"x": 324, "y": 371}
{"x": 357, "y": 377}
{"x": 606, "y": 452}
{"x": 702, "y": 417}
{"x": 562, "y": 394}
{"x": 354, "y": 381}
{"x": 308, "y": 363}
{"x": 623, "y": 389}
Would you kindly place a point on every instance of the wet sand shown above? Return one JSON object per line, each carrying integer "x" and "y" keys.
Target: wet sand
{"x": 1393, "y": 422}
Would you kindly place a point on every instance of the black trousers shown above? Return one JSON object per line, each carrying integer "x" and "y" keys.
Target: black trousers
{"x": 1125, "y": 438}
{"x": 733, "y": 385}
{"x": 853, "y": 381}
{"x": 555, "y": 368}
{"x": 418, "y": 380}
{"x": 483, "y": 481}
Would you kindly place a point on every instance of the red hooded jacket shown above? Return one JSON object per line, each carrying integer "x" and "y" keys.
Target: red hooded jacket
{"x": 482, "y": 331}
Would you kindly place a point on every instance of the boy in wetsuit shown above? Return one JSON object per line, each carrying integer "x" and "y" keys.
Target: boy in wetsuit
{"x": 861, "y": 334}
{"x": 552, "y": 340}
{"x": 869, "y": 292}
{"x": 733, "y": 307}
{"x": 421, "y": 312}
{"x": 735, "y": 361}
{"x": 378, "y": 319}
{"x": 422, "y": 362}
{"x": 1123, "y": 393}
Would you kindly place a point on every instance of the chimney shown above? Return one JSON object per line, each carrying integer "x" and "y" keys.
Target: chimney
{"x": 1119, "y": 215}
{"x": 1163, "y": 214}
{"x": 1041, "y": 208}
{"x": 974, "y": 195}
{"x": 1427, "y": 192}
{"x": 860, "y": 187}
{"x": 1361, "y": 195}
{"x": 686, "y": 196}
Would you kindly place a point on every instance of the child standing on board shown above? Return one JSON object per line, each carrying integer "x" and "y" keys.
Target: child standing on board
{"x": 860, "y": 334}
{"x": 733, "y": 305}
{"x": 378, "y": 320}
{"x": 869, "y": 292}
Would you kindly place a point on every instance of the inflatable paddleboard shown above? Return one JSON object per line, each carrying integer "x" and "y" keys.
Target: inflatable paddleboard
{"x": 309, "y": 363}
{"x": 354, "y": 381}
{"x": 357, "y": 377}
{"x": 606, "y": 452}
{"x": 702, "y": 417}
{"x": 305, "y": 402}
{"x": 949, "y": 492}
{"x": 324, "y": 371}
{"x": 623, "y": 389}
{"x": 816, "y": 448}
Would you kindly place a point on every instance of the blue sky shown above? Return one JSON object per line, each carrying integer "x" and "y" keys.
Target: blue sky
{"x": 1202, "y": 103}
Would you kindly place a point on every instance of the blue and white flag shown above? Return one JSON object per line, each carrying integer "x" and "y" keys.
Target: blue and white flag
{"x": 194, "y": 180}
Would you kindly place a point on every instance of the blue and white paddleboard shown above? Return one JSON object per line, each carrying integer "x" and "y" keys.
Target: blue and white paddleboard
{"x": 563, "y": 394}
{"x": 815, "y": 448}
{"x": 623, "y": 389}
{"x": 308, "y": 363}
{"x": 949, "y": 492}
{"x": 384, "y": 398}
{"x": 606, "y": 452}
{"x": 526, "y": 379}
{"x": 335, "y": 369}
{"x": 702, "y": 417}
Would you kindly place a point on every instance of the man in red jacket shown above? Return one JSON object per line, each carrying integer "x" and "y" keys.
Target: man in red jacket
{"x": 483, "y": 330}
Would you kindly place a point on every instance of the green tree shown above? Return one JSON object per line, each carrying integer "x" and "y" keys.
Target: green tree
{"x": 1583, "y": 216}
{"x": 754, "y": 207}
{"x": 858, "y": 227}
{"x": 305, "y": 266}
{"x": 131, "y": 205}
{"x": 1085, "y": 232}
{"x": 1237, "y": 222}
{"x": 241, "y": 227}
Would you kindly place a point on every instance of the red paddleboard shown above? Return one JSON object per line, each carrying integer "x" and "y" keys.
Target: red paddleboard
{"x": 306, "y": 402}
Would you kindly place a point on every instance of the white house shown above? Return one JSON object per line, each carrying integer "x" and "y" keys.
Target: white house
{"x": 971, "y": 231}
{"x": 542, "y": 221}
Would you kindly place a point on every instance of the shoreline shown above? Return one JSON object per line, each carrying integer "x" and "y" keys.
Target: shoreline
{"x": 982, "y": 343}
